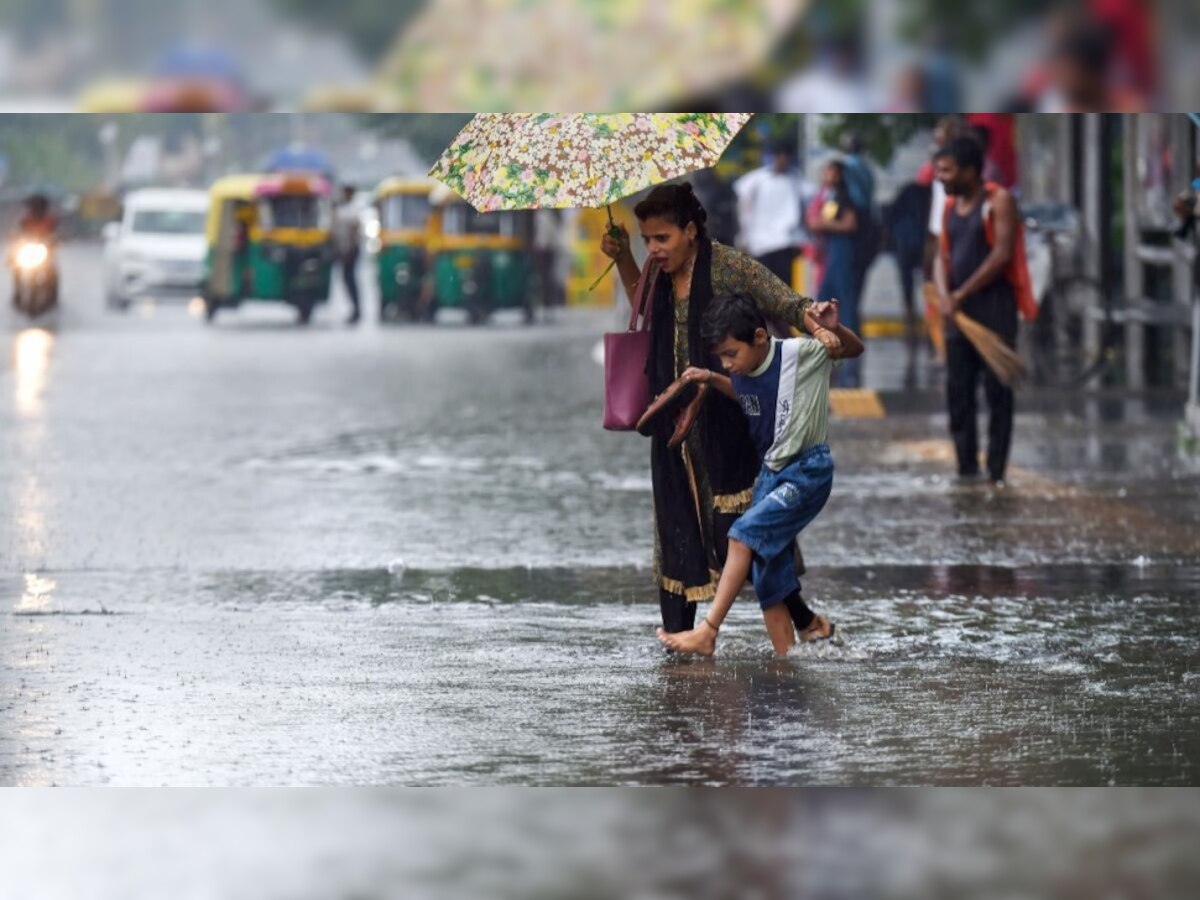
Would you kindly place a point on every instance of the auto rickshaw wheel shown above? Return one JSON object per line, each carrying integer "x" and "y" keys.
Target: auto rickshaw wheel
{"x": 210, "y": 309}
{"x": 390, "y": 311}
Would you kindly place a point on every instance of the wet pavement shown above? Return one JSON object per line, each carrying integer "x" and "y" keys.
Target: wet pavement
{"x": 258, "y": 554}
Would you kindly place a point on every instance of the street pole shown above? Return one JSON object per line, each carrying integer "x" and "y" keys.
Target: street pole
{"x": 1092, "y": 205}
{"x": 1192, "y": 416}
{"x": 1191, "y": 425}
{"x": 109, "y": 132}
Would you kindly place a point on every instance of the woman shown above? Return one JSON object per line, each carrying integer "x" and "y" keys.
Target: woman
{"x": 701, "y": 487}
{"x": 837, "y": 223}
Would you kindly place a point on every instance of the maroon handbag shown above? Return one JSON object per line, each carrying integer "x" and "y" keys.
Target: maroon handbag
{"x": 626, "y": 384}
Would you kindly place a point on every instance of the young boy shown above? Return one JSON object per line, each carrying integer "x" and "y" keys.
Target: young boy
{"x": 783, "y": 388}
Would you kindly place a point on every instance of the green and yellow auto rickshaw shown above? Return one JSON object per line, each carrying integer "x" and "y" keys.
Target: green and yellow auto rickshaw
{"x": 406, "y": 220}
{"x": 481, "y": 262}
{"x": 269, "y": 238}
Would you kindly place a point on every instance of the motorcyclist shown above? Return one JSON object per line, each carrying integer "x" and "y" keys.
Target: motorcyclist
{"x": 37, "y": 224}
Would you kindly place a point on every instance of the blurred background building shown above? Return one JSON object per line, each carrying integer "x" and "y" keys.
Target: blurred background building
{"x": 853, "y": 56}
{"x": 1097, "y": 191}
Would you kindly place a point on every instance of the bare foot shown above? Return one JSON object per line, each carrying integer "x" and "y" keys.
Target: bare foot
{"x": 698, "y": 640}
{"x": 821, "y": 629}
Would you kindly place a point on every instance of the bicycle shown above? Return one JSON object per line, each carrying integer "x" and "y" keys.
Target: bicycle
{"x": 1057, "y": 341}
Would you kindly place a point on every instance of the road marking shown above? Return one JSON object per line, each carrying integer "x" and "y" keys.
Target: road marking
{"x": 856, "y": 403}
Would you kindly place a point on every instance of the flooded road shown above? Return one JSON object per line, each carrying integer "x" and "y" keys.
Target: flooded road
{"x": 257, "y": 554}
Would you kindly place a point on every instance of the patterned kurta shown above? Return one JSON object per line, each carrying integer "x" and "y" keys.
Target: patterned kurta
{"x": 733, "y": 272}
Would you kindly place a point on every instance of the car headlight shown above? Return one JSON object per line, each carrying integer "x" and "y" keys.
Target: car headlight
{"x": 31, "y": 255}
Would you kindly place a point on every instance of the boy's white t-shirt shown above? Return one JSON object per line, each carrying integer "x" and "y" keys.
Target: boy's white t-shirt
{"x": 786, "y": 399}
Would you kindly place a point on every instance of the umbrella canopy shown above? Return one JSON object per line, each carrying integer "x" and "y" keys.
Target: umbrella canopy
{"x": 485, "y": 55}
{"x": 561, "y": 160}
{"x": 198, "y": 61}
{"x": 299, "y": 159}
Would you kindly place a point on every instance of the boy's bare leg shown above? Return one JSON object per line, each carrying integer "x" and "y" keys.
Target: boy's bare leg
{"x": 779, "y": 628}
{"x": 703, "y": 638}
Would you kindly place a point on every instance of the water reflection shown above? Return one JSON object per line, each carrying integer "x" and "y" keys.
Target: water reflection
{"x": 32, "y": 350}
{"x": 37, "y": 597}
{"x": 31, "y": 362}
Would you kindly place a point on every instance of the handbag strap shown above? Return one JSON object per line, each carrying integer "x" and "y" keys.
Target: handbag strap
{"x": 641, "y": 295}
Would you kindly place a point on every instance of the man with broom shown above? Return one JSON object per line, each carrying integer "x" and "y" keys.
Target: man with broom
{"x": 981, "y": 278}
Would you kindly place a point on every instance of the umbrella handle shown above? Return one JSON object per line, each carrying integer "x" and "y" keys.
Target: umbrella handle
{"x": 615, "y": 233}
{"x": 614, "y": 230}
{"x": 602, "y": 274}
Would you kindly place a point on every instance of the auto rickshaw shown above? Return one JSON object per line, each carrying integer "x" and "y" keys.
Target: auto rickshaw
{"x": 406, "y": 220}
{"x": 269, "y": 238}
{"x": 481, "y": 262}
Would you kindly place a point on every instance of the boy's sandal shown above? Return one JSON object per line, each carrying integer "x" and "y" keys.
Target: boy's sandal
{"x": 673, "y": 404}
{"x": 822, "y": 637}
{"x": 687, "y": 418}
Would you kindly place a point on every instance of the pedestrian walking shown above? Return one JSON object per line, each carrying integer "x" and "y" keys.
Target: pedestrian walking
{"x": 782, "y": 387}
{"x": 905, "y": 219}
{"x": 771, "y": 212}
{"x": 701, "y": 486}
{"x": 979, "y": 271}
{"x": 348, "y": 240}
{"x": 837, "y": 223}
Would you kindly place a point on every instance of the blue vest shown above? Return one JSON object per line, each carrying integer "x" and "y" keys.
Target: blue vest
{"x": 759, "y": 397}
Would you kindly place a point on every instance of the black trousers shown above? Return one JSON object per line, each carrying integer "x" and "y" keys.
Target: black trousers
{"x": 680, "y": 615}
{"x": 780, "y": 263}
{"x": 964, "y": 370}
{"x": 350, "y": 279}
{"x": 908, "y": 282}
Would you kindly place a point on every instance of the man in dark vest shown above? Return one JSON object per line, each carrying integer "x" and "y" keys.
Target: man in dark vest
{"x": 977, "y": 273}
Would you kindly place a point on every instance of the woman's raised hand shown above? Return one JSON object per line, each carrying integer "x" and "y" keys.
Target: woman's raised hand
{"x": 616, "y": 247}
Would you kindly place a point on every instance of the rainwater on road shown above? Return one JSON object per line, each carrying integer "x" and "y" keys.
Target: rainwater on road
{"x": 253, "y": 553}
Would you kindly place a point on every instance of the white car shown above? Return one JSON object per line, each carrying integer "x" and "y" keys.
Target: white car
{"x": 158, "y": 248}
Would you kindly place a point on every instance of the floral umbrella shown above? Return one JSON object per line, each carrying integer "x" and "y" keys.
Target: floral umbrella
{"x": 492, "y": 55}
{"x": 560, "y": 160}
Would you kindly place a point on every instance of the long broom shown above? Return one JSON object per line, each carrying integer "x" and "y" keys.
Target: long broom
{"x": 1000, "y": 357}
{"x": 933, "y": 323}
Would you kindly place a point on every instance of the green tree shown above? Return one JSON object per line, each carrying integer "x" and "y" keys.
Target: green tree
{"x": 48, "y": 159}
{"x": 371, "y": 26}
{"x": 748, "y": 150}
{"x": 969, "y": 28}
{"x": 881, "y": 133}
{"x": 429, "y": 133}
{"x": 32, "y": 20}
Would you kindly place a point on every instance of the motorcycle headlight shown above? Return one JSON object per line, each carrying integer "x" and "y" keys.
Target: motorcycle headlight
{"x": 31, "y": 256}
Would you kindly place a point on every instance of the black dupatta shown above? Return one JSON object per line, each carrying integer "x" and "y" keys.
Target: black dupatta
{"x": 729, "y": 457}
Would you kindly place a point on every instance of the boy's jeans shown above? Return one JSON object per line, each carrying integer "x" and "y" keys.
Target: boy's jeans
{"x": 783, "y": 504}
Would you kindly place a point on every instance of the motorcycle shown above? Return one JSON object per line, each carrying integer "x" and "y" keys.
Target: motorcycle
{"x": 35, "y": 278}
